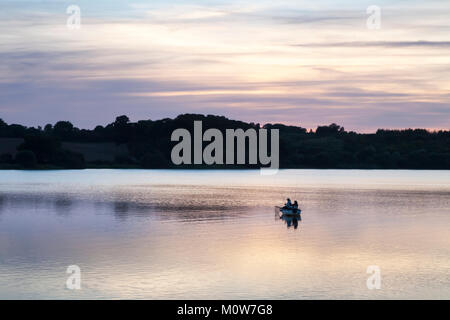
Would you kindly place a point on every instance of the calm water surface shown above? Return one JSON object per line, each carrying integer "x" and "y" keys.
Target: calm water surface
{"x": 213, "y": 234}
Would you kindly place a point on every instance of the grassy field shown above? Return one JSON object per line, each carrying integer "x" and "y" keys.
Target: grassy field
{"x": 97, "y": 151}
{"x": 9, "y": 145}
{"x": 105, "y": 152}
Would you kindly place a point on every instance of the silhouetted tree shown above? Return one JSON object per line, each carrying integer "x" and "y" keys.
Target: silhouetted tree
{"x": 63, "y": 130}
{"x": 44, "y": 147}
{"x": 69, "y": 160}
{"x": 26, "y": 159}
{"x": 332, "y": 129}
{"x": 148, "y": 143}
{"x": 122, "y": 129}
{"x": 153, "y": 160}
{"x": 6, "y": 158}
{"x": 48, "y": 129}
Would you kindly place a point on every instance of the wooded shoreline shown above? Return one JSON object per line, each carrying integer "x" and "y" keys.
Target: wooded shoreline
{"x": 147, "y": 144}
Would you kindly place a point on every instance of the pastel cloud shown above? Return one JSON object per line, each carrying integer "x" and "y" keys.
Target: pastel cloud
{"x": 298, "y": 63}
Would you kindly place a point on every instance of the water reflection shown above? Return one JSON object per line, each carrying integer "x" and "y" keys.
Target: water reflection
{"x": 195, "y": 239}
{"x": 2, "y": 202}
{"x": 62, "y": 204}
{"x": 290, "y": 220}
{"x": 121, "y": 209}
{"x": 180, "y": 206}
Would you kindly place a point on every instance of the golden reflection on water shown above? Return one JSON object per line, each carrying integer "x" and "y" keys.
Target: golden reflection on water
{"x": 140, "y": 234}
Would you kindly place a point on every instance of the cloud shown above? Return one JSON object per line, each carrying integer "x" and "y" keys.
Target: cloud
{"x": 234, "y": 58}
{"x": 385, "y": 44}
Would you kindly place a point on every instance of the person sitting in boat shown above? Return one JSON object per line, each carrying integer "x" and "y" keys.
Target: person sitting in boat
{"x": 288, "y": 204}
{"x": 295, "y": 206}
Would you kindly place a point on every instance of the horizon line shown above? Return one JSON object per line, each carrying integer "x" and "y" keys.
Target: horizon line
{"x": 261, "y": 125}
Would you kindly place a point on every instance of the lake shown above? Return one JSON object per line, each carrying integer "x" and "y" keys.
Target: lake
{"x": 213, "y": 234}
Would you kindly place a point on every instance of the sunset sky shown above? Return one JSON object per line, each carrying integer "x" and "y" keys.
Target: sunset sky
{"x": 304, "y": 63}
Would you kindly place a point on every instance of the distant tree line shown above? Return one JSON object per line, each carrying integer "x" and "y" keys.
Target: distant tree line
{"x": 149, "y": 146}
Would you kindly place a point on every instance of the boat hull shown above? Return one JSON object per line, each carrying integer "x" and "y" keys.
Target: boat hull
{"x": 290, "y": 212}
